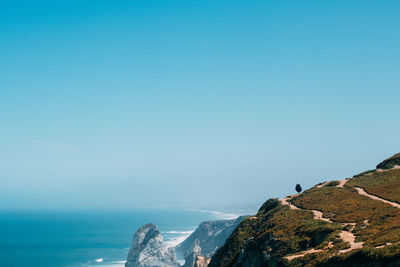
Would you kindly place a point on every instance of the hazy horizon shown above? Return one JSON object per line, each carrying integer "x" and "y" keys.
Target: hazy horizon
{"x": 128, "y": 104}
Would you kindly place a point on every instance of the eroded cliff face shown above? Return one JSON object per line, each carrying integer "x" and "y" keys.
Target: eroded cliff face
{"x": 201, "y": 261}
{"x": 198, "y": 248}
{"x": 208, "y": 237}
{"x": 194, "y": 258}
{"x": 148, "y": 249}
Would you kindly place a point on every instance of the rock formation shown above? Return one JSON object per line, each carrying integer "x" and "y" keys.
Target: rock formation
{"x": 148, "y": 249}
{"x": 208, "y": 237}
{"x": 193, "y": 258}
{"x": 201, "y": 261}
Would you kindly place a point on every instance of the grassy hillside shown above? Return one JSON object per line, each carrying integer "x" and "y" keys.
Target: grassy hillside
{"x": 341, "y": 223}
{"x": 390, "y": 162}
{"x": 385, "y": 184}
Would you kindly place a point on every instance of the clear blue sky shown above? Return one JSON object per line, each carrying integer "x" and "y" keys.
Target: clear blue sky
{"x": 123, "y": 104}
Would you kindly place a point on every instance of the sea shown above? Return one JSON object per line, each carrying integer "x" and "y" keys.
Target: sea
{"x": 88, "y": 238}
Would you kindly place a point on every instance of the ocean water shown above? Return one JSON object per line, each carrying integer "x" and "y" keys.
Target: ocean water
{"x": 87, "y": 238}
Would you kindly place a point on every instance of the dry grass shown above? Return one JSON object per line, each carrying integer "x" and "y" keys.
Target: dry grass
{"x": 383, "y": 184}
{"x": 345, "y": 205}
{"x": 278, "y": 231}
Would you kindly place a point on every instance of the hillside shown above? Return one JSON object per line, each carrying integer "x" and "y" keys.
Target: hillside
{"x": 352, "y": 222}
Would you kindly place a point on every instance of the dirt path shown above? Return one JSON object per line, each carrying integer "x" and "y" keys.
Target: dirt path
{"x": 321, "y": 185}
{"x": 362, "y": 192}
{"x": 349, "y": 237}
{"x": 317, "y": 213}
{"x": 342, "y": 183}
{"x": 394, "y": 167}
{"x": 318, "y": 216}
{"x": 284, "y": 201}
{"x": 292, "y": 257}
{"x": 346, "y": 236}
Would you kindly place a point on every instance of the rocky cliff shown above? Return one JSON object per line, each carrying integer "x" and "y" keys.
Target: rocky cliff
{"x": 148, "y": 250}
{"x": 147, "y": 247}
{"x": 208, "y": 237}
{"x": 350, "y": 222}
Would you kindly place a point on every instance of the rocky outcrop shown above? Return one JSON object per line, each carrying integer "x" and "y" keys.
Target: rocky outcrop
{"x": 147, "y": 247}
{"x": 208, "y": 237}
{"x": 191, "y": 255}
{"x": 194, "y": 258}
{"x": 148, "y": 250}
{"x": 201, "y": 261}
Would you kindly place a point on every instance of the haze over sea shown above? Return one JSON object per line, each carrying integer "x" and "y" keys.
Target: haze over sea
{"x": 82, "y": 238}
{"x": 120, "y": 105}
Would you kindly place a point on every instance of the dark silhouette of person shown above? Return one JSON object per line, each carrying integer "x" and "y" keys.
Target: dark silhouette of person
{"x": 298, "y": 188}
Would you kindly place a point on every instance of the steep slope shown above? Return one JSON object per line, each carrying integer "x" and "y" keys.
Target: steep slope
{"x": 350, "y": 222}
{"x": 148, "y": 249}
{"x": 390, "y": 162}
{"x": 209, "y": 236}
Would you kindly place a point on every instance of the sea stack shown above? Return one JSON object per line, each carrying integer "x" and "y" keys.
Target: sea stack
{"x": 148, "y": 249}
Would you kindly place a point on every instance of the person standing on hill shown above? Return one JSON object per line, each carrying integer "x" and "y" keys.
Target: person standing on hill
{"x": 298, "y": 188}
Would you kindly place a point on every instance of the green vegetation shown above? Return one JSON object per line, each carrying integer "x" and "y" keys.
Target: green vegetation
{"x": 333, "y": 183}
{"x": 384, "y": 184}
{"x": 388, "y": 256}
{"x": 280, "y": 231}
{"x": 277, "y": 232}
{"x": 365, "y": 173}
{"x": 390, "y": 162}
{"x": 345, "y": 205}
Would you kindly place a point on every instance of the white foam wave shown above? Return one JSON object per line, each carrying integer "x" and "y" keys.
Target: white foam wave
{"x": 218, "y": 214}
{"x": 102, "y": 263}
{"x": 176, "y": 240}
{"x": 178, "y": 232}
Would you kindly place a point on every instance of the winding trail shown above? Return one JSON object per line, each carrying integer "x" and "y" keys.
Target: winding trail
{"x": 318, "y": 216}
{"x": 317, "y": 213}
{"x": 310, "y": 251}
{"x": 342, "y": 183}
{"x": 321, "y": 185}
{"x": 362, "y": 192}
{"x": 284, "y": 201}
{"x": 349, "y": 237}
{"x": 346, "y": 236}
